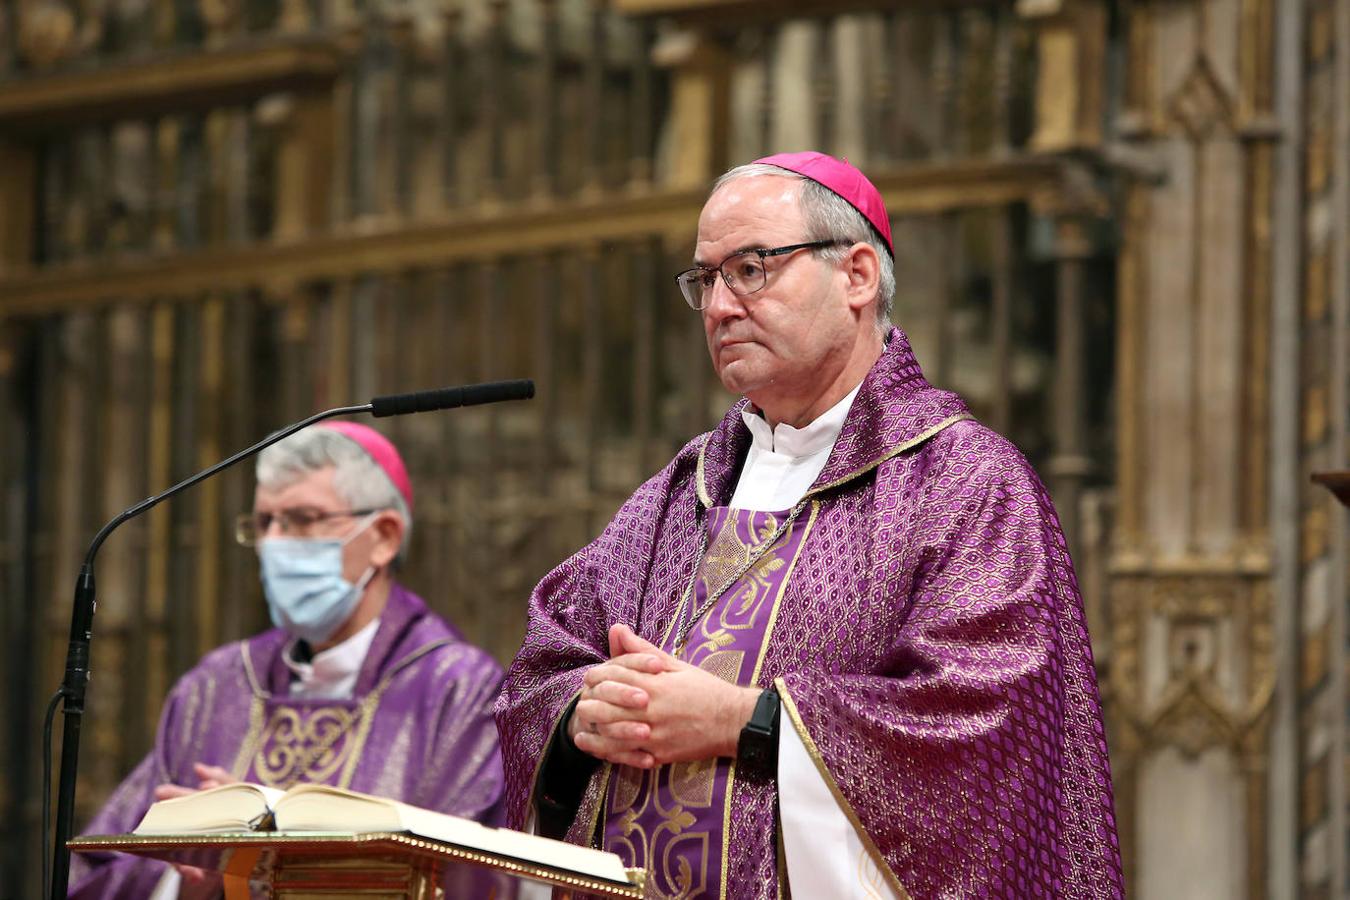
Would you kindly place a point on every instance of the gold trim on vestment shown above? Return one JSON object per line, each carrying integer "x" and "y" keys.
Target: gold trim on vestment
{"x": 707, "y": 542}
{"x": 698, "y": 475}
{"x": 595, "y": 837}
{"x": 754, "y": 676}
{"x": 726, "y": 828}
{"x": 252, "y": 676}
{"x": 686, "y": 599}
{"x": 895, "y": 451}
{"x": 787, "y": 579}
{"x": 411, "y": 658}
{"x": 543, "y": 755}
{"x": 368, "y": 706}
{"x": 780, "y": 864}
{"x": 256, "y": 684}
{"x": 791, "y": 709}
{"x": 366, "y": 710}
{"x": 257, "y": 720}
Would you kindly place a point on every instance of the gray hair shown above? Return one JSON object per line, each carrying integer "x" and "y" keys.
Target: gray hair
{"x": 358, "y": 479}
{"x": 827, "y": 215}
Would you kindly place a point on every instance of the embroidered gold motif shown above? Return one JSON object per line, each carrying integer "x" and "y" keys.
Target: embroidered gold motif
{"x": 692, "y": 783}
{"x": 627, "y": 785}
{"x": 725, "y": 664}
{"x": 663, "y": 817}
{"x": 676, "y": 823}
{"x": 752, "y": 556}
{"x": 727, "y": 558}
{"x": 760, "y": 583}
{"x": 309, "y": 745}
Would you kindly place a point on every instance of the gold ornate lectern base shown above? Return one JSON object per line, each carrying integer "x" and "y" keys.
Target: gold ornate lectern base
{"x": 312, "y": 866}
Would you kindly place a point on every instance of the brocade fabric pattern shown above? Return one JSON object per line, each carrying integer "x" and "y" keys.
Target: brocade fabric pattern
{"x": 930, "y": 646}
{"x": 418, "y": 729}
{"x": 671, "y": 820}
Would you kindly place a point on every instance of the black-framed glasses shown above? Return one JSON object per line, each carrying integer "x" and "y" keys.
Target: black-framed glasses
{"x": 249, "y": 528}
{"x": 744, "y": 272}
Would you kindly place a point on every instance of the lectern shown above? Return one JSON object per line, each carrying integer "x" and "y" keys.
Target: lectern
{"x": 327, "y": 866}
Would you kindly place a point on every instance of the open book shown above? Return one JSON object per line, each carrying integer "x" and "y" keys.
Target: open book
{"x": 320, "y": 808}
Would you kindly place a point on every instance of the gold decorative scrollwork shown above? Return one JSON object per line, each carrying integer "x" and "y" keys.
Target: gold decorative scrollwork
{"x": 306, "y": 745}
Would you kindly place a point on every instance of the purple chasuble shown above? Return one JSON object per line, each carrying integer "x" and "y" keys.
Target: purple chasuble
{"x": 671, "y": 820}
{"x": 929, "y": 646}
{"x": 418, "y": 728}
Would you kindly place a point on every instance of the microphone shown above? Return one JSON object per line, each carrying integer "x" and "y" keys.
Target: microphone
{"x": 71, "y": 693}
{"x": 448, "y": 398}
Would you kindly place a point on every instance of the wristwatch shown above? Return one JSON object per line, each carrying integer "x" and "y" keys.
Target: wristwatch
{"x": 757, "y": 750}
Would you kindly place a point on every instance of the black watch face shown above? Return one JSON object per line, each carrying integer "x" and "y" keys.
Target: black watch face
{"x": 754, "y": 755}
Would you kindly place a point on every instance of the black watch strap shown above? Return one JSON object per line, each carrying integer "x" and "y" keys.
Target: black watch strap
{"x": 757, "y": 750}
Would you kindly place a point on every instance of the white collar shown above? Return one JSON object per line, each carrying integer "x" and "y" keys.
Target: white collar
{"x": 818, "y": 436}
{"x": 334, "y": 666}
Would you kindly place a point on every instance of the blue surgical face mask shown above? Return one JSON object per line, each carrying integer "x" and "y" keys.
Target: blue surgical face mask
{"x": 302, "y": 578}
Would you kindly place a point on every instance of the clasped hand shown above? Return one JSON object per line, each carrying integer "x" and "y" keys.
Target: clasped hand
{"x": 644, "y": 707}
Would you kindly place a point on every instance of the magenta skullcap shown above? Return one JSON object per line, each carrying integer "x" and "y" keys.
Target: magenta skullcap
{"x": 844, "y": 180}
{"x": 380, "y": 449}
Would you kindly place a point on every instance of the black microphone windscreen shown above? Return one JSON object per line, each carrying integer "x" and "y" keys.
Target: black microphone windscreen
{"x": 448, "y": 398}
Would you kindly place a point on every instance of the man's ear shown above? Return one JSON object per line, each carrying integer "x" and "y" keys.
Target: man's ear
{"x": 863, "y": 267}
{"x": 389, "y": 537}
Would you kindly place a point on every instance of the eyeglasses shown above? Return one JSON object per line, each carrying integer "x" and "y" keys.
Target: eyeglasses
{"x": 249, "y": 528}
{"x": 744, "y": 272}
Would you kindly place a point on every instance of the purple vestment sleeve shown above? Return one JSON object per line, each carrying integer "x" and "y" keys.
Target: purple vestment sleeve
{"x": 116, "y": 876}
{"x": 568, "y": 633}
{"x": 459, "y": 768}
{"x": 462, "y": 774}
{"x": 977, "y": 729}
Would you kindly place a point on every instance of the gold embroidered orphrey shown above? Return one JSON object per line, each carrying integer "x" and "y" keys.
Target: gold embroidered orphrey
{"x": 295, "y": 745}
{"x": 737, "y": 572}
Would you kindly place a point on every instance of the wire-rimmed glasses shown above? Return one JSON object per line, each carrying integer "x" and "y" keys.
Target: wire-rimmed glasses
{"x": 744, "y": 272}
{"x": 249, "y": 528}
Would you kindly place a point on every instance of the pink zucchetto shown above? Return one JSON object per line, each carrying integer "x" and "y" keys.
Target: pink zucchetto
{"x": 381, "y": 450}
{"x": 844, "y": 180}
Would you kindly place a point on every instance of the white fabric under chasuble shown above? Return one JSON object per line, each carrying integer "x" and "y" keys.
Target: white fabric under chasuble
{"x": 825, "y": 854}
{"x": 783, "y": 461}
{"x": 331, "y": 674}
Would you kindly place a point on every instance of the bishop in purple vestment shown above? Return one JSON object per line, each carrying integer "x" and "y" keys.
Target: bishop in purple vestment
{"x": 836, "y": 647}
{"x": 360, "y": 686}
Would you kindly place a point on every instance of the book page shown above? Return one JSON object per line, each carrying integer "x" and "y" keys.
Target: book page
{"x": 229, "y": 807}
{"x": 518, "y": 845}
{"x": 315, "y": 807}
